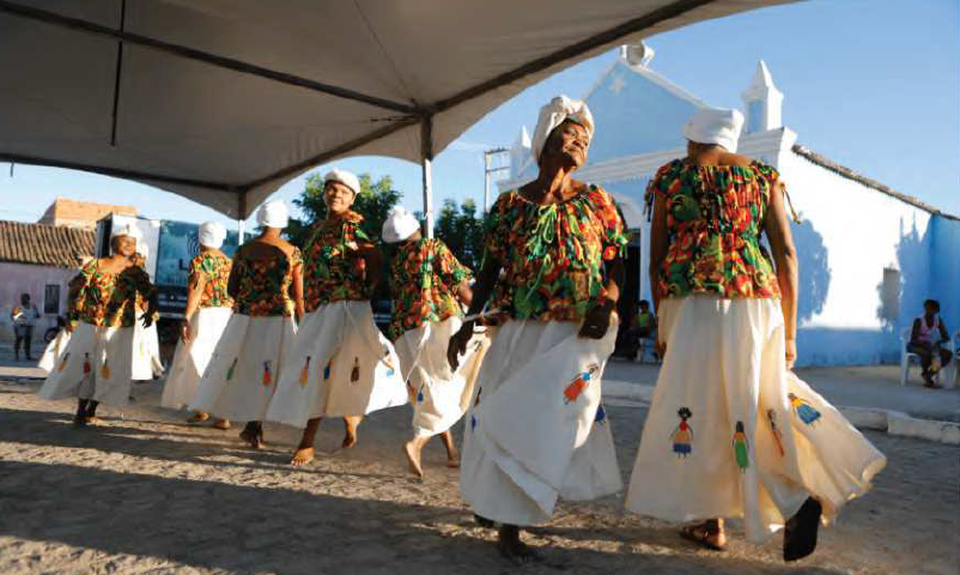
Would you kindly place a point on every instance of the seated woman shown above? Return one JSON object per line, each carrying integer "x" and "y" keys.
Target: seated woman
{"x": 928, "y": 333}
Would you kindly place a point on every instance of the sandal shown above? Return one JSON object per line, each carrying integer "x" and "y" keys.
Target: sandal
{"x": 800, "y": 532}
{"x": 701, "y": 534}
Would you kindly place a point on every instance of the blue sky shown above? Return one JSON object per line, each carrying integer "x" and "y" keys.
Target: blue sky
{"x": 872, "y": 84}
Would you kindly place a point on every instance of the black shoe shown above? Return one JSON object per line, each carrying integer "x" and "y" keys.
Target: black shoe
{"x": 800, "y": 532}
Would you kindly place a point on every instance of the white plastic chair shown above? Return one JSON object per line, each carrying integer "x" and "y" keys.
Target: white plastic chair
{"x": 905, "y": 356}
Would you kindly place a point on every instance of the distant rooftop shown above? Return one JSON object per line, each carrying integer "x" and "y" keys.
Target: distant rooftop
{"x": 41, "y": 244}
{"x": 71, "y": 213}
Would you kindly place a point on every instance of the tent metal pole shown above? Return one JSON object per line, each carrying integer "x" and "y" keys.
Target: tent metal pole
{"x": 241, "y": 216}
{"x": 426, "y": 161}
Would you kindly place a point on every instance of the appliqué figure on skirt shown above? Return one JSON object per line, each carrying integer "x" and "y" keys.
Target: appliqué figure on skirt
{"x": 601, "y": 417}
{"x": 805, "y": 412}
{"x": 740, "y": 448}
{"x": 355, "y": 372}
{"x": 305, "y": 372}
{"x": 572, "y": 392}
{"x": 267, "y": 373}
{"x": 772, "y": 418}
{"x": 682, "y": 436}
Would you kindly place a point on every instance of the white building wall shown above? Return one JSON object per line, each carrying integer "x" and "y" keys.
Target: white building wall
{"x": 861, "y": 229}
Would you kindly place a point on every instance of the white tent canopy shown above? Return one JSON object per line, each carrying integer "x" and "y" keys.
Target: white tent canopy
{"x": 223, "y": 101}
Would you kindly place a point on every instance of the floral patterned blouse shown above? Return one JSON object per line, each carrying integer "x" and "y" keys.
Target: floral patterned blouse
{"x": 552, "y": 255}
{"x": 333, "y": 269}
{"x": 214, "y": 269}
{"x": 108, "y": 299}
{"x": 714, "y": 221}
{"x": 424, "y": 277}
{"x": 263, "y": 286}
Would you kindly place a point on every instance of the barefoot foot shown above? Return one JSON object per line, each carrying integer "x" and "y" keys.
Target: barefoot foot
{"x": 302, "y": 456}
{"x": 453, "y": 459}
{"x": 222, "y": 424}
{"x": 198, "y": 417}
{"x": 413, "y": 457}
{"x": 350, "y": 438}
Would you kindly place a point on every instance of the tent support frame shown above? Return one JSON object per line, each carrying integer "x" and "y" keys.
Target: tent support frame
{"x": 414, "y": 113}
{"x": 426, "y": 166}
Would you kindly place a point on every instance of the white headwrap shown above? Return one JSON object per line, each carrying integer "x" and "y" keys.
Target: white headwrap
{"x": 715, "y": 126}
{"x": 346, "y": 178}
{"x": 273, "y": 214}
{"x": 553, "y": 114}
{"x": 399, "y": 225}
{"x": 212, "y": 234}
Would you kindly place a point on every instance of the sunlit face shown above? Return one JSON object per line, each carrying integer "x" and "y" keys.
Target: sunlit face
{"x": 570, "y": 141}
{"x": 125, "y": 246}
{"x": 338, "y": 197}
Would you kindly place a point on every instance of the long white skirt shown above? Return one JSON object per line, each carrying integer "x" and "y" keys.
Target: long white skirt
{"x": 340, "y": 365}
{"x": 439, "y": 395}
{"x": 146, "y": 351}
{"x": 54, "y": 351}
{"x": 731, "y": 433}
{"x": 95, "y": 364}
{"x": 537, "y": 429}
{"x": 247, "y": 363}
{"x": 191, "y": 359}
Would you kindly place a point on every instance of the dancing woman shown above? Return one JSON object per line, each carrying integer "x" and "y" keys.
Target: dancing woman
{"x": 266, "y": 285}
{"x": 429, "y": 285}
{"x": 536, "y": 430}
{"x": 96, "y": 363}
{"x": 341, "y": 365}
{"x": 767, "y": 448}
{"x": 209, "y": 308}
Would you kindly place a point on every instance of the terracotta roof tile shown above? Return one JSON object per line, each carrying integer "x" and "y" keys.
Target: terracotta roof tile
{"x": 44, "y": 245}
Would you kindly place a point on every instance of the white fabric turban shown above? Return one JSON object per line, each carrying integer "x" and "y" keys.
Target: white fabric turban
{"x": 399, "y": 225}
{"x": 553, "y": 114}
{"x": 212, "y": 234}
{"x": 715, "y": 126}
{"x": 273, "y": 214}
{"x": 346, "y": 178}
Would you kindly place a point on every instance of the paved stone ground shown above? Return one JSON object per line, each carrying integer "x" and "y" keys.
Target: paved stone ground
{"x": 147, "y": 494}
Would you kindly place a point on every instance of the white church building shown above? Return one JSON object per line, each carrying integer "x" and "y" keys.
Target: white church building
{"x": 869, "y": 255}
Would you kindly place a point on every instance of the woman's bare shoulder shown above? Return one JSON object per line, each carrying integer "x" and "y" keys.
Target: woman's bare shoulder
{"x": 730, "y": 159}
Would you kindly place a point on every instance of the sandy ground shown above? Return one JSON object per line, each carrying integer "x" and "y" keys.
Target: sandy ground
{"x": 146, "y": 494}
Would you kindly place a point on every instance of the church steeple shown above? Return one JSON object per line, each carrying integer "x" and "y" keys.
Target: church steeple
{"x": 763, "y": 101}
{"x": 519, "y": 152}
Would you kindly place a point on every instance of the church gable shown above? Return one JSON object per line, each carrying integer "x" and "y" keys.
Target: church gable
{"x": 637, "y": 112}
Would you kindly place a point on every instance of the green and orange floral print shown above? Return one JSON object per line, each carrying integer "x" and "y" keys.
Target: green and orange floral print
{"x": 424, "y": 278}
{"x": 333, "y": 269}
{"x": 714, "y": 222}
{"x": 264, "y": 285}
{"x": 552, "y": 256}
{"x": 214, "y": 270}
{"x": 108, "y": 299}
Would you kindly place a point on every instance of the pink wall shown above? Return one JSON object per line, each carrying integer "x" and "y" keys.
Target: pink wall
{"x": 16, "y": 279}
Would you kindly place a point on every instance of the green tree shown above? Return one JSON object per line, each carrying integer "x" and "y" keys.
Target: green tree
{"x": 373, "y": 202}
{"x": 462, "y": 230}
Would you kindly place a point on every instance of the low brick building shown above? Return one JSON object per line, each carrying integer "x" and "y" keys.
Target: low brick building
{"x": 40, "y": 260}
{"x": 74, "y": 214}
